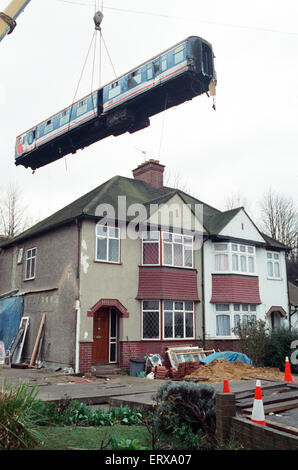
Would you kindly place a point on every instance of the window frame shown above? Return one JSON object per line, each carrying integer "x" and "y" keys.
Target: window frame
{"x": 157, "y": 241}
{"x": 240, "y": 255}
{"x": 173, "y": 310}
{"x": 173, "y": 242}
{"x": 29, "y": 261}
{"x": 159, "y": 319}
{"x": 273, "y": 261}
{"x": 232, "y": 312}
{"x": 108, "y": 227}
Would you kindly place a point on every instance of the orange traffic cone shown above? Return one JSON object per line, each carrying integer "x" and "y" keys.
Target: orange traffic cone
{"x": 258, "y": 415}
{"x": 226, "y": 387}
{"x": 288, "y": 375}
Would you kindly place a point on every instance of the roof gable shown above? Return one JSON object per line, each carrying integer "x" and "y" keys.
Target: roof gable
{"x": 239, "y": 225}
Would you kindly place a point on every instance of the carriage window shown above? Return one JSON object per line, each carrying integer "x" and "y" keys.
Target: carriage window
{"x": 64, "y": 118}
{"x": 31, "y": 137}
{"x": 82, "y": 107}
{"x": 48, "y": 127}
{"x": 134, "y": 78}
{"x": 156, "y": 67}
{"x": 163, "y": 63}
{"x": 114, "y": 89}
{"x": 207, "y": 60}
{"x": 149, "y": 71}
{"x": 178, "y": 54}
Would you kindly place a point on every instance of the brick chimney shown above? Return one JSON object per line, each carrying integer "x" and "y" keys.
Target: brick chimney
{"x": 151, "y": 172}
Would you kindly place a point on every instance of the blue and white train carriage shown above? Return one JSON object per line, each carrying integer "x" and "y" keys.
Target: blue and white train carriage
{"x": 123, "y": 105}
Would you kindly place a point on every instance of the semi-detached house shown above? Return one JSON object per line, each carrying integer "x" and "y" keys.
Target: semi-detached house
{"x": 134, "y": 267}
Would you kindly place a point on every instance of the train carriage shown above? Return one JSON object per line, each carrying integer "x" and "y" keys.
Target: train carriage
{"x": 124, "y": 105}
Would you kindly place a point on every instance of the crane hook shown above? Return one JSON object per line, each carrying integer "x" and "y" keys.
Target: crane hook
{"x": 98, "y": 17}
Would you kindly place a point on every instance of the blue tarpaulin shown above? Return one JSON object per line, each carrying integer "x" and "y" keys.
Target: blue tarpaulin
{"x": 11, "y": 310}
{"x": 230, "y": 356}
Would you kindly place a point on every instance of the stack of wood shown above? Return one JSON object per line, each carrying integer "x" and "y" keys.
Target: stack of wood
{"x": 184, "y": 368}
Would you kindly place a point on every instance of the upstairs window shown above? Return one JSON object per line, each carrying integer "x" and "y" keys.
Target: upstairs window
{"x": 107, "y": 244}
{"x": 30, "y": 267}
{"x": 177, "y": 250}
{"x": 150, "y": 248}
{"x": 273, "y": 265}
{"x": 233, "y": 257}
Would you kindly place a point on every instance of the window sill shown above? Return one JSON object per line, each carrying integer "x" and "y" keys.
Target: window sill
{"x": 237, "y": 273}
{"x": 117, "y": 263}
{"x": 274, "y": 278}
{"x": 166, "y": 266}
{"x": 29, "y": 279}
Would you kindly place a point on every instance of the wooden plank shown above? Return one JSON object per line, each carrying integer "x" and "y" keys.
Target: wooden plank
{"x": 251, "y": 392}
{"x": 35, "y": 349}
{"x": 275, "y": 408}
{"x": 281, "y": 427}
{"x": 268, "y": 400}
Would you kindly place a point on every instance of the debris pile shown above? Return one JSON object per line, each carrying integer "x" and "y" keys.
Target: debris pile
{"x": 218, "y": 370}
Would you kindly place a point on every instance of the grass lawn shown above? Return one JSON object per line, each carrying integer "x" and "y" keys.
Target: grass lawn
{"x": 88, "y": 438}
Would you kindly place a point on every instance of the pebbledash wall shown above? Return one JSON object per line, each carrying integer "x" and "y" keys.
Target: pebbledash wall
{"x": 122, "y": 282}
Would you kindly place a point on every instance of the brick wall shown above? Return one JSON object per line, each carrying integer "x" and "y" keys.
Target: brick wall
{"x": 139, "y": 349}
{"x": 222, "y": 344}
{"x": 251, "y": 435}
{"x": 85, "y": 361}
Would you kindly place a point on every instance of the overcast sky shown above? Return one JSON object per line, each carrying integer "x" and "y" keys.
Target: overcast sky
{"x": 247, "y": 145}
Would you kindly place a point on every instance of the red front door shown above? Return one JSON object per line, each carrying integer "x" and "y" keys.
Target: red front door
{"x": 100, "y": 351}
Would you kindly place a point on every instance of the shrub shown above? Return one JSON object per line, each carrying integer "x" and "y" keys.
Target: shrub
{"x": 252, "y": 340}
{"x": 18, "y": 418}
{"x": 278, "y": 346}
{"x": 180, "y": 402}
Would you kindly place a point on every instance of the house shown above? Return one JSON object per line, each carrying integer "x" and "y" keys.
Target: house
{"x": 134, "y": 267}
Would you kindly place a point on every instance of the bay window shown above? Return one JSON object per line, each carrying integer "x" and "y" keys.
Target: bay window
{"x": 177, "y": 250}
{"x": 176, "y": 317}
{"x": 233, "y": 257}
{"x": 230, "y": 316}
{"x": 150, "y": 248}
{"x": 151, "y": 319}
{"x": 178, "y": 320}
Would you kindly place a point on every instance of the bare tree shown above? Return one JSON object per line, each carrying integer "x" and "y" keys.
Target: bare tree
{"x": 13, "y": 213}
{"x": 175, "y": 180}
{"x": 279, "y": 219}
{"x": 234, "y": 200}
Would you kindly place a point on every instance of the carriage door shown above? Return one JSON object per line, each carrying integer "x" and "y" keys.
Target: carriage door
{"x": 156, "y": 71}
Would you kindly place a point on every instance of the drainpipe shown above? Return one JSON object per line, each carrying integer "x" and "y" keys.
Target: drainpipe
{"x": 78, "y": 327}
{"x": 77, "y": 303}
{"x": 203, "y": 299}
